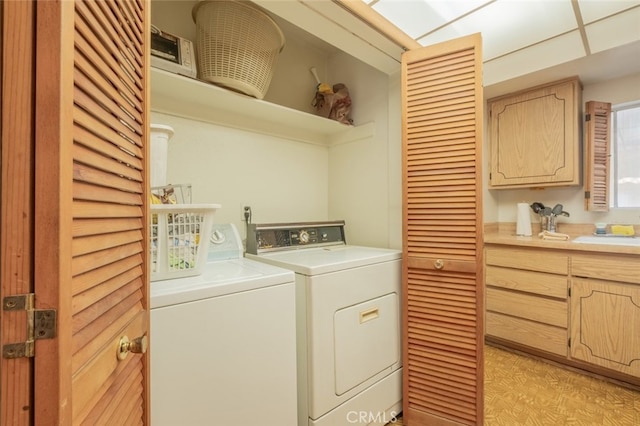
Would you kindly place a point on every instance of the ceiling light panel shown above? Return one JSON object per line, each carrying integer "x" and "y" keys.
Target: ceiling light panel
{"x": 552, "y": 52}
{"x": 592, "y": 10}
{"x": 510, "y": 25}
{"x": 606, "y": 34}
{"x": 420, "y": 17}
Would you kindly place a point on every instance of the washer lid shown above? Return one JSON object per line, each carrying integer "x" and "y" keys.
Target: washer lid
{"x": 218, "y": 279}
{"x": 322, "y": 260}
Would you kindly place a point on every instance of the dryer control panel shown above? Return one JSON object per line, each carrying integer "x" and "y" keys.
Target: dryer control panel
{"x": 291, "y": 236}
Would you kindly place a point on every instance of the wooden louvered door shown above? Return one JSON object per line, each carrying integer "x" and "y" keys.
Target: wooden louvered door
{"x": 91, "y": 208}
{"x": 597, "y": 154}
{"x": 443, "y": 328}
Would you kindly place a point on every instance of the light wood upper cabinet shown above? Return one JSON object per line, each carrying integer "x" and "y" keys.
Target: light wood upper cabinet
{"x": 535, "y": 136}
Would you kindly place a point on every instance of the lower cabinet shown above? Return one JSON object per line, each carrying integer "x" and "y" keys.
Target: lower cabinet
{"x": 605, "y": 315}
{"x": 526, "y": 297}
{"x": 580, "y": 309}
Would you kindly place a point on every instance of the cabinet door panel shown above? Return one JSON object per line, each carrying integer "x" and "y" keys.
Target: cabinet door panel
{"x": 605, "y": 324}
{"x": 534, "y": 137}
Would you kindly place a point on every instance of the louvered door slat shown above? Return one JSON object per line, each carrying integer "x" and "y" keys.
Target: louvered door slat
{"x": 83, "y": 418}
{"x": 92, "y": 321}
{"x": 87, "y": 192}
{"x": 83, "y": 264}
{"x": 122, "y": 141}
{"x": 106, "y": 98}
{"x": 97, "y": 226}
{"x": 442, "y": 287}
{"x": 107, "y": 34}
{"x": 107, "y": 413}
{"x": 96, "y": 161}
{"x": 82, "y": 353}
{"x": 129, "y": 154}
{"x": 130, "y": 34}
{"x": 102, "y": 275}
{"x": 92, "y": 294}
{"x": 597, "y": 155}
{"x": 134, "y": 29}
{"x": 92, "y": 244}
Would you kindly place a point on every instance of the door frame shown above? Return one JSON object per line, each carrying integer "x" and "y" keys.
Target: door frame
{"x": 17, "y": 40}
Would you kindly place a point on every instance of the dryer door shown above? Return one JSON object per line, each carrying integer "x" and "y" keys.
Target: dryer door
{"x": 366, "y": 341}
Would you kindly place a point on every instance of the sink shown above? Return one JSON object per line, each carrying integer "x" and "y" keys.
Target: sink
{"x": 618, "y": 240}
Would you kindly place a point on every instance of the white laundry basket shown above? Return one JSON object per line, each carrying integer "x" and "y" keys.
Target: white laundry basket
{"x": 180, "y": 236}
{"x": 237, "y": 45}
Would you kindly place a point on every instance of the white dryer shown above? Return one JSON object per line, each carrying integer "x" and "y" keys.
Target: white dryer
{"x": 223, "y": 344}
{"x": 348, "y": 321}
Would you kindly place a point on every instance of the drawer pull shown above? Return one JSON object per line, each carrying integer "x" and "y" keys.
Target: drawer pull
{"x": 438, "y": 264}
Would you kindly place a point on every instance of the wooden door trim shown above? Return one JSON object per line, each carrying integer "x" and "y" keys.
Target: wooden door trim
{"x": 16, "y": 217}
{"x": 53, "y": 177}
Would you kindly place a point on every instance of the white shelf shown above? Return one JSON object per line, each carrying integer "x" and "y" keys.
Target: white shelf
{"x": 194, "y": 99}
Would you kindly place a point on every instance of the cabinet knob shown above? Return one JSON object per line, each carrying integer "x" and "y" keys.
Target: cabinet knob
{"x": 137, "y": 346}
{"x": 438, "y": 264}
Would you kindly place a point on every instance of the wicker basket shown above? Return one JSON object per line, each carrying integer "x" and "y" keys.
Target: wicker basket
{"x": 237, "y": 45}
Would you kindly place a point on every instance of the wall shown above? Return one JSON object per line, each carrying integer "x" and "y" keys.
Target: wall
{"x": 287, "y": 180}
{"x": 500, "y": 205}
{"x": 359, "y": 171}
{"x": 281, "y": 180}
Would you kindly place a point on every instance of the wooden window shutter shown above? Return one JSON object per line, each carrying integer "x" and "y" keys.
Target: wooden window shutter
{"x": 92, "y": 108}
{"x": 443, "y": 331}
{"x": 597, "y": 155}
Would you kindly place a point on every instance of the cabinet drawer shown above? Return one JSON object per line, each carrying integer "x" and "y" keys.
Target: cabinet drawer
{"x": 539, "y": 336}
{"x": 540, "y": 309}
{"x": 528, "y": 281}
{"x": 532, "y": 260}
{"x": 618, "y": 268}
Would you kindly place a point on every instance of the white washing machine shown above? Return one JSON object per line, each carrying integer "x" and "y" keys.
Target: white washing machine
{"x": 348, "y": 319}
{"x": 223, "y": 344}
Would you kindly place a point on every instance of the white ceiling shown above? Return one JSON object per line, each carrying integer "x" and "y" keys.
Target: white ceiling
{"x": 535, "y": 40}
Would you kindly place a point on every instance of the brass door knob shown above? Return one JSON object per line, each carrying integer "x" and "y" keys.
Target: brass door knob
{"x": 137, "y": 346}
{"x": 438, "y": 264}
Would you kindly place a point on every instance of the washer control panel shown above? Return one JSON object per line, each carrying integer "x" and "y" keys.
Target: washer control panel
{"x": 272, "y": 237}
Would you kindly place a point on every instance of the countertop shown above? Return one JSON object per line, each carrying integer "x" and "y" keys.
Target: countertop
{"x": 505, "y": 234}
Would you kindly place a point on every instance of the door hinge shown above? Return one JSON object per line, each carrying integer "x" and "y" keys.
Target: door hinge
{"x": 569, "y": 342}
{"x": 41, "y": 324}
{"x": 587, "y": 117}
{"x": 587, "y": 195}
{"x": 569, "y": 291}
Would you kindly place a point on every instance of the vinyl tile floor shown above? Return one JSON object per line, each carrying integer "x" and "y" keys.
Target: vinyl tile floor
{"x": 520, "y": 390}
